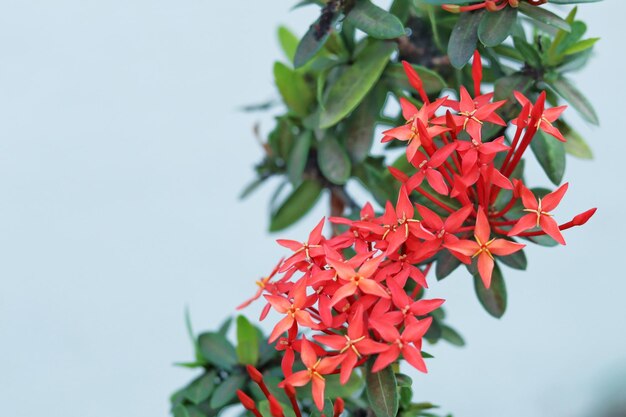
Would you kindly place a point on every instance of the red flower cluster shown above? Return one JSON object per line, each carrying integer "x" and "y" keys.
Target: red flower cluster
{"x": 367, "y": 305}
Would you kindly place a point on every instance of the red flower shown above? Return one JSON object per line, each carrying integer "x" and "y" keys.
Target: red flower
{"x": 539, "y": 212}
{"x": 546, "y": 119}
{"x": 410, "y": 131}
{"x": 304, "y": 251}
{"x": 315, "y": 369}
{"x": 409, "y": 343}
{"x": 353, "y": 345}
{"x": 357, "y": 281}
{"x": 295, "y": 311}
{"x": 263, "y": 284}
{"x": 474, "y": 112}
{"x": 397, "y": 224}
{"x": 483, "y": 247}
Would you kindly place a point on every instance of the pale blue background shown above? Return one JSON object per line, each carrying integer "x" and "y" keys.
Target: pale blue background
{"x": 121, "y": 157}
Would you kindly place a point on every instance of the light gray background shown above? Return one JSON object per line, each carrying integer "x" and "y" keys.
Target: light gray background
{"x": 121, "y": 156}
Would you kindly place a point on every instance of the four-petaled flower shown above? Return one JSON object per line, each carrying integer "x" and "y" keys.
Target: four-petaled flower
{"x": 483, "y": 247}
{"x": 539, "y": 212}
{"x": 316, "y": 368}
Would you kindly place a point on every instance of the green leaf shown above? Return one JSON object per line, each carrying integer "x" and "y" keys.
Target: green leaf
{"x": 247, "y": 342}
{"x": 333, "y": 160}
{"x": 505, "y": 86}
{"x": 312, "y": 42}
{"x": 575, "y": 145}
{"x": 293, "y": 88}
{"x": 403, "y": 380}
{"x": 227, "y": 390}
{"x": 550, "y": 153}
{"x": 463, "y": 38}
{"x": 360, "y": 126}
{"x": 299, "y": 156}
{"x": 252, "y": 187}
{"x": 544, "y": 16}
{"x": 516, "y": 260}
{"x": 494, "y": 298}
{"x": 180, "y": 411}
{"x": 433, "y": 83}
{"x": 530, "y": 54}
{"x": 446, "y": 263}
{"x": 355, "y": 82}
{"x": 299, "y": 202}
{"x": 581, "y": 46}
{"x": 574, "y": 97}
{"x": 217, "y": 350}
{"x": 288, "y": 42}
{"x": 495, "y": 27}
{"x": 225, "y": 326}
{"x": 201, "y": 388}
{"x": 374, "y": 21}
{"x": 382, "y": 393}
{"x": 192, "y": 336}
{"x": 451, "y": 336}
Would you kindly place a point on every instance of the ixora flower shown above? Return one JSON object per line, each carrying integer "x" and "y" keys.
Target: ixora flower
{"x": 351, "y": 293}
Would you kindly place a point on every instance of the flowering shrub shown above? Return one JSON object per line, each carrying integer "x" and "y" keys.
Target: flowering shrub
{"x": 348, "y": 306}
{"x": 361, "y": 307}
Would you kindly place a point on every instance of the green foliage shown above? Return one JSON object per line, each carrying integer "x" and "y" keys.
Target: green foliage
{"x": 382, "y": 393}
{"x": 335, "y": 85}
{"x": 493, "y": 299}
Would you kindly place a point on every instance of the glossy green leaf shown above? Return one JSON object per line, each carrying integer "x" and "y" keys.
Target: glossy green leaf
{"x": 360, "y": 126}
{"x": 297, "y": 204}
{"x": 312, "y": 42}
{"x": 581, "y": 46}
{"x": 529, "y": 53}
{"x": 494, "y": 298}
{"x": 575, "y": 98}
{"x": 225, "y": 326}
{"x": 376, "y": 22}
{"x": 575, "y": 145}
{"x": 293, "y": 88}
{"x": 382, "y": 393}
{"x": 192, "y": 336}
{"x": 446, "y": 264}
{"x": 464, "y": 37}
{"x": 180, "y": 411}
{"x": 288, "y": 42}
{"x": 201, "y": 388}
{"x": 355, "y": 82}
{"x": 516, "y": 260}
{"x": 226, "y": 391}
{"x": 298, "y": 157}
{"x": 451, "y": 336}
{"x": 433, "y": 83}
{"x": 333, "y": 160}
{"x": 505, "y": 86}
{"x": 247, "y": 342}
{"x": 217, "y": 350}
{"x": 252, "y": 187}
{"x": 544, "y": 16}
{"x": 550, "y": 153}
{"x": 495, "y": 27}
